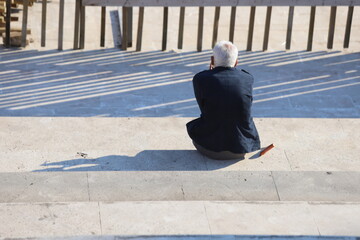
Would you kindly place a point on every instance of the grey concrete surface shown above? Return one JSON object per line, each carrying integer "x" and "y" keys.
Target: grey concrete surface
{"x": 112, "y": 83}
{"x": 188, "y": 186}
{"x": 44, "y": 187}
{"x": 317, "y": 186}
{"x": 336, "y": 187}
{"x": 178, "y": 218}
{"x": 235, "y": 217}
{"x": 49, "y": 219}
{"x": 161, "y": 144}
{"x": 326, "y": 217}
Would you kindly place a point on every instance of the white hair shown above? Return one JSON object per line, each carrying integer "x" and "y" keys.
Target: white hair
{"x": 225, "y": 54}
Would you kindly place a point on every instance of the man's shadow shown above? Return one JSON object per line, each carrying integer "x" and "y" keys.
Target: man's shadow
{"x": 147, "y": 160}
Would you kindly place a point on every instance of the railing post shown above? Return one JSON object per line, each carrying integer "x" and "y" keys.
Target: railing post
{"x": 331, "y": 28}
{"x": 216, "y": 26}
{"x": 181, "y": 27}
{"x": 140, "y": 29}
{"x": 311, "y": 28}
{"x": 102, "y": 31}
{"x": 77, "y": 24}
{"x": 200, "y": 29}
{"x": 232, "y": 24}
{"x": 289, "y": 27}
{"x": 251, "y": 28}
{"x": 43, "y": 23}
{"x": 348, "y": 26}
{"x": 24, "y": 23}
{"x": 61, "y": 25}
{"x": 8, "y": 21}
{"x": 165, "y": 27}
{"x": 267, "y": 28}
{"x": 130, "y": 24}
{"x": 124, "y": 40}
{"x": 82, "y": 25}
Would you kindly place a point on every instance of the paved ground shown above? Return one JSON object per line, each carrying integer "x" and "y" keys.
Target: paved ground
{"x": 112, "y": 83}
{"x": 179, "y": 217}
{"x": 93, "y": 143}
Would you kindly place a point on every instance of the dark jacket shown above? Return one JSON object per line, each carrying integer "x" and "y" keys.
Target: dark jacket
{"x": 224, "y": 96}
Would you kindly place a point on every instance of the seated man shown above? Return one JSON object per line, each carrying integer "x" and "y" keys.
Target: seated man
{"x": 225, "y": 129}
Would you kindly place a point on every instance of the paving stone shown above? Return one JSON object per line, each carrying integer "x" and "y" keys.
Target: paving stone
{"x": 177, "y": 186}
{"x": 153, "y": 218}
{"x": 335, "y": 101}
{"x": 265, "y": 218}
{"x": 49, "y": 219}
{"x": 336, "y": 219}
{"x": 168, "y": 218}
{"x": 319, "y": 160}
{"x": 160, "y": 144}
{"x": 43, "y": 187}
{"x": 317, "y": 186}
{"x": 306, "y": 81}
{"x": 228, "y": 186}
{"x": 134, "y": 186}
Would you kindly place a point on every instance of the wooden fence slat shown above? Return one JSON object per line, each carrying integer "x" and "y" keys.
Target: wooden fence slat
{"x": 77, "y": 24}
{"x": 102, "y": 28}
{"x": 267, "y": 28}
{"x": 200, "y": 29}
{"x": 130, "y": 24}
{"x": 251, "y": 28}
{"x": 8, "y": 21}
{"x": 24, "y": 23}
{"x": 82, "y": 25}
{"x": 331, "y": 27}
{"x": 140, "y": 29}
{"x": 124, "y": 40}
{"x": 165, "y": 28}
{"x": 289, "y": 28}
{"x": 43, "y": 23}
{"x": 181, "y": 27}
{"x": 232, "y": 24}
{"x": 216, "y": 26}
{"x": 61, "y": 25}
{"x": 311, "y": 28}
{"x": 348, "y": 26}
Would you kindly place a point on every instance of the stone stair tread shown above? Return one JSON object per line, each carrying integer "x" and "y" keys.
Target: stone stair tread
{"x": 180, "y": 186}
{"x": 178, "y": 218}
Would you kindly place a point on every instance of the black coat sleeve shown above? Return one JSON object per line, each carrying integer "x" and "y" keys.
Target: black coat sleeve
{"x": 198, "y": 91}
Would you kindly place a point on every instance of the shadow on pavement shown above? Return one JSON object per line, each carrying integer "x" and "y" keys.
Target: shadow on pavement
{"x": 113, "y": 83}
{"x": 148, "y": 160}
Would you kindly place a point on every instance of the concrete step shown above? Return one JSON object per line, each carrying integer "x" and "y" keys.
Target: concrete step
{"x": 161, "y": 144}
{"x": 169, "y": 218}
{"x": 192, "y": 237}
{"x": 275, "y": 186}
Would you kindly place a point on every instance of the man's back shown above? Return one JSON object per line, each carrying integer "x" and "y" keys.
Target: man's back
{"x": 224, "y": 96}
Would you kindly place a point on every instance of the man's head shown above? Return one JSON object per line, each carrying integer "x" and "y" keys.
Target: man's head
{"x": 225, "y": 54}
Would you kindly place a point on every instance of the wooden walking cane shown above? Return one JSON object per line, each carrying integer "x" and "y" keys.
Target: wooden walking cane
{"x": 268, "y": 148}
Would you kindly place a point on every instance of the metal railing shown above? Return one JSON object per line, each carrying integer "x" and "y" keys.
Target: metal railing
{"x": 80, "y": 11}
